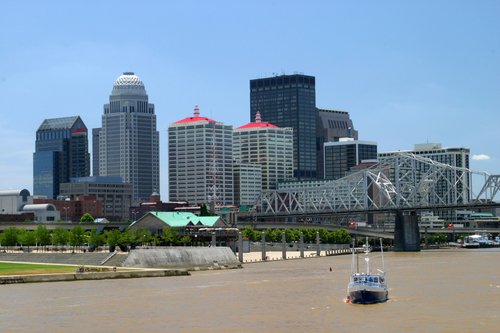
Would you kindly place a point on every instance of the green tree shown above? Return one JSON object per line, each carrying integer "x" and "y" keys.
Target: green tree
{"x": 292, "y": 235}
{"x": 77, "y": 236}
{"x": 143, "y": 236}
{"x": 60, "y": 236}
{"x": 9, "y": 236}
{"x": 248, "y": 233}
{"x": 42, "y": 235}
{"x": 184, "y": 240}
{"x": 169, "y": 235}
{"x": 112, "y": 238}
{"x": 341, "y": 236}
{"x": 94, "y": 238}
{"x": 26, "y": 237}
{"x": 87, "y": 218}
{"x": 127, "y": 237}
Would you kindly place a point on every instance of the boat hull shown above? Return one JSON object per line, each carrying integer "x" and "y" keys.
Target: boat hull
{"x": 363, "y": 296}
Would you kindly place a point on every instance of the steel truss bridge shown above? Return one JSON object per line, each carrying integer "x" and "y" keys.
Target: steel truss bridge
{"x": 403, "y": 181}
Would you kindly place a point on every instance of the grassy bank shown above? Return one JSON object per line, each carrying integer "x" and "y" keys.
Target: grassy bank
{"x": 26, "y": 269}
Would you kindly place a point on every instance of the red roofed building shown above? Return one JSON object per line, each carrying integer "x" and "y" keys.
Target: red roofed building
{"x": 200, "y": 161}
{"x": 267, "y": 145}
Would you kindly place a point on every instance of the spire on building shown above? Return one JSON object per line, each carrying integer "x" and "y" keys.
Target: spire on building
{"x": 196, "y": 111}
{"x": 257, "y": 117}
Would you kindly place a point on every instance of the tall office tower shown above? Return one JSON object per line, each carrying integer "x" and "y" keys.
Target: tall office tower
{"x": 128, "y": 139}
{"x": 95, "y": 151}
{"x": 200, "y": 161}
{"x": 61, "y": 153}
{"x": 268, "y": 145}
{"x": 247, "y": 184}
{"x": 290, "y": 101}
{"x": 331, "y": 125}
{"x": 342, "y": 156}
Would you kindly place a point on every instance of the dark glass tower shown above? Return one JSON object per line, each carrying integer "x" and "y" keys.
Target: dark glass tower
{"x": 340, "y": 157}
{"x": 61, "y": 153}
{"x": 290, "y": 101}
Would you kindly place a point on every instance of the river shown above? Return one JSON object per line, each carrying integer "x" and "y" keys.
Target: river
{"x": 452, "y": 290}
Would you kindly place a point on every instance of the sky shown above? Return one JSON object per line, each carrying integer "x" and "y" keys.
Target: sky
{"x": 408, "y": 72}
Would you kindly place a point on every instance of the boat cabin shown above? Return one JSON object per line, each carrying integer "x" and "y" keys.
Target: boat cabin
{"x": 364, "y": 278}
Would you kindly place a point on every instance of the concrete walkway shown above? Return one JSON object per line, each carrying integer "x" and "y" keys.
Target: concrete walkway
{"x": 278, "y": 255}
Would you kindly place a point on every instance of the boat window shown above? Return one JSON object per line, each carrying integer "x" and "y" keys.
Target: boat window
{"x": 381, "y": 280}
{"x": 375, "y": 279}
{"x": 370, "y": 279}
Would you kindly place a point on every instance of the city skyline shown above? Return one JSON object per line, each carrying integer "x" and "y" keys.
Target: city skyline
{"x": 406, "y": 73}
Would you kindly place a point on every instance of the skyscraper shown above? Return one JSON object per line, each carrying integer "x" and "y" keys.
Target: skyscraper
{"x": 95, "y": 151}
{"x": 61, "y": 153}
{"x": 267, "y": 145}
{"x": 345, "y": 154}
{"x": 331, "y": 125}
{"x": 290, "y": 101}
{"x": 128, "y": 139}
{"x": 200, "y": 161}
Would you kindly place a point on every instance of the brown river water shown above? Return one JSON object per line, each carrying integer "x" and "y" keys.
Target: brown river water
{"x": 453, "y": 290}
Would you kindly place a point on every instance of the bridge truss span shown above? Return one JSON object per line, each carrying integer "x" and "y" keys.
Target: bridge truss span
{"x": 401, "y": 181}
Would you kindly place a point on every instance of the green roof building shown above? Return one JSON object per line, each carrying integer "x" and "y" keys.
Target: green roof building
{"x": 156, "y": 221}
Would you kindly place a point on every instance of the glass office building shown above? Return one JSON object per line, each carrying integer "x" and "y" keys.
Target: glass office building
{"x": 290, "y": 101}
{"x": 331, "y": 125}
{"x": 61, "y": 152}
{"x": 128, "y": 139}
{"x": 340, "y": 157}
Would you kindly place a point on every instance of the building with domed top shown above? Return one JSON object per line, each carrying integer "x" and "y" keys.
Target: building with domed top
{"x": 128, "y": 142}
{"x": 200, "y": 169}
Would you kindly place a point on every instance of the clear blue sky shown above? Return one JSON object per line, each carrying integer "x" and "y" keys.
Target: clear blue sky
{"x": 408, "y": 72}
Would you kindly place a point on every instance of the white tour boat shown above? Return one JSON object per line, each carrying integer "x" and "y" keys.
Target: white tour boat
{"x": 366, "y": 287}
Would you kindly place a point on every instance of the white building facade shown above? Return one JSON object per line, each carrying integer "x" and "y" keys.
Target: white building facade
{"x": 200, "y": 161}
{"x": 268, "y": 145}
{"x": 16, "y": 202}
{"x": 247, "y": 183}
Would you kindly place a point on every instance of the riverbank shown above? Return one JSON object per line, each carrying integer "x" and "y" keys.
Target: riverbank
{"x": 77, "y": 276}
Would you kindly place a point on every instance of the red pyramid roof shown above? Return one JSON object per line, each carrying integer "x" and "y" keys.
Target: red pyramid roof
{"x": 196, "y": 117}
{"x": 258, "y": 123}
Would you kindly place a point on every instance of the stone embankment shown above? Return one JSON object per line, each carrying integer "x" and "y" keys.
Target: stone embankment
{"x": 126, "y": 274}
{"x": 161, "y": 262}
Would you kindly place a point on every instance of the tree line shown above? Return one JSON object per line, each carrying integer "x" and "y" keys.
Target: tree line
{"x": 77, "y": 237}
{"x": 339, "y": 236}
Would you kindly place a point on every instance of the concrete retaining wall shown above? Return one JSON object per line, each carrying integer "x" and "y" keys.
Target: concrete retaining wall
{"x": 90, "y": 276}
{"x": 191, "y": 258}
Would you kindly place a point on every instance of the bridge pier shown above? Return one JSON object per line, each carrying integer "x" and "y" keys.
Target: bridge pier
{"x": 406, "y": 232}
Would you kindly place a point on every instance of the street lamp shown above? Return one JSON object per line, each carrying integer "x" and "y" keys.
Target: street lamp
{"x": 66, "y": 211}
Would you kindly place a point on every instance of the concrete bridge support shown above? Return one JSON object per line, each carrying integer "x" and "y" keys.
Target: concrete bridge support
{"x": 406, "y": 232}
